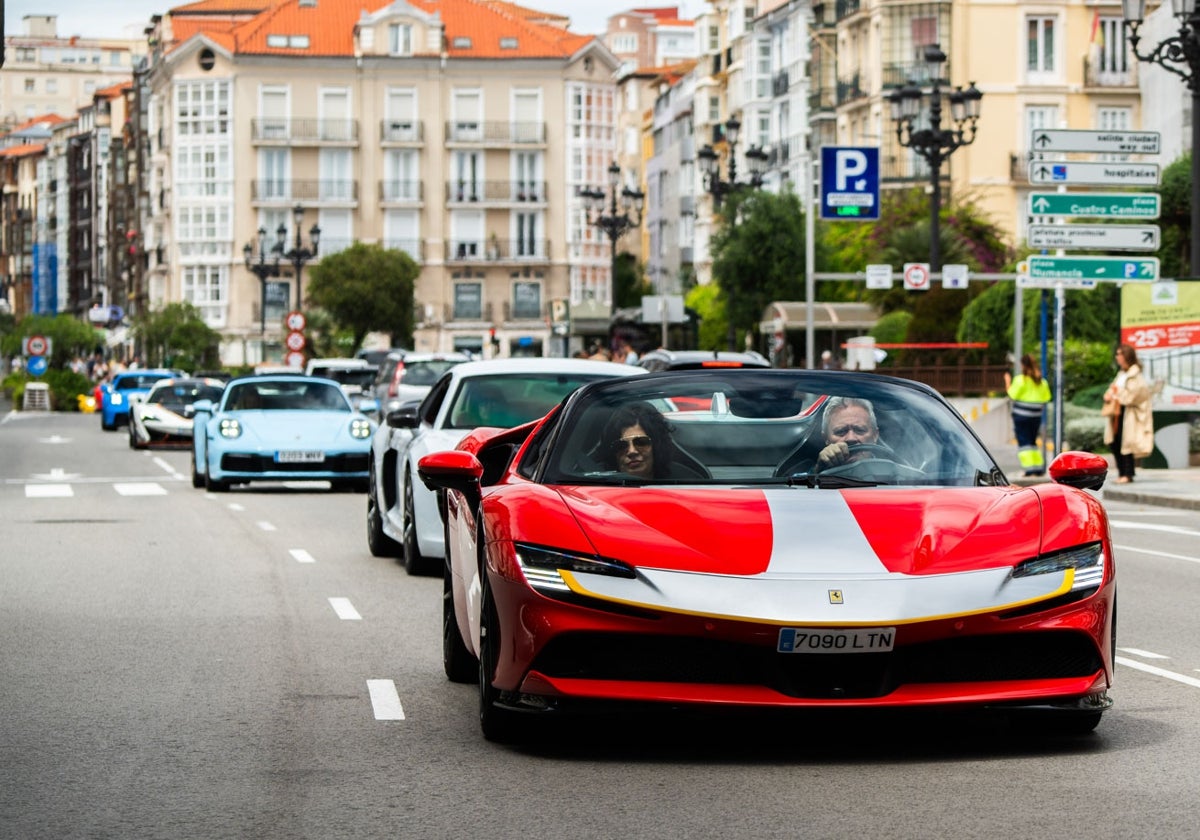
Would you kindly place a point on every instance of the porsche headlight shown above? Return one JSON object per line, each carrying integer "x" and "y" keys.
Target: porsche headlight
{"x": 230, "y": 428}
{"x": 360, "y": 427}
{"x": 1086, "y": 560}
{"x": 541, "y": 567}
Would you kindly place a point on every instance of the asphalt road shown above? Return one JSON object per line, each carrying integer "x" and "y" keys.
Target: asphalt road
{"x": 179, "y": 664}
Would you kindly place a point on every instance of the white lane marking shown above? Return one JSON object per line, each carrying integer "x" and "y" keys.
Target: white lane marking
{"x": 385, "y": 700}
{"x": 344, "y": 609}
{"x": 1145, "y": 654}
{"x": 301, "y": 555}
{"x": 236, "y": 507}
{"x": 266, "y": 526}
{"x": 167, "y": 467}
{"x": 1158, "y": 672}
{"x": 142, "y": 488}
{"x": 56, "y": 474}
{"x": 1158, "y": 553}
{"x": 1150, "y": 526}
{"x": 48, "y": 491}
{"x": 54, "y": 439}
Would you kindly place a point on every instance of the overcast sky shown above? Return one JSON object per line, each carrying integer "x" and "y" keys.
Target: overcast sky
{"x": 127, "y": 18}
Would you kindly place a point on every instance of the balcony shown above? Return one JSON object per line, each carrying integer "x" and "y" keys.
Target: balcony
{"x": 899, "y": 73}
{"x": 494, "y": 250}
{"x": 401, "y": 192}
{"x": 848, "y": 90}
{"x": 490, "y": 133}
{"x": 280, "y": 131}
{"x": 1095, "y": 75}
{"x": 402, "y": 132}
{"x": 495, "y": 192}
{"x": 900, "y": 170}
{"x": 845, "y": 8}
{"x": 469, "y": 314}
{"x": 286, "y": 192}
{"x": 524, "y": 312}
{"x": 415, "y": 248}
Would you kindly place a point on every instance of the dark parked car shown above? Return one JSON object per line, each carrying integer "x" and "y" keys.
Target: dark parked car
{"x": 656, "y": 360}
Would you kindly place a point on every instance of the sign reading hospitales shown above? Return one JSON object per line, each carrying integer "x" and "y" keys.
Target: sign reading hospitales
{"x": 850, "y": 183}
{"x": 1103, "y": 142}
{"x": 1092, "y": 172}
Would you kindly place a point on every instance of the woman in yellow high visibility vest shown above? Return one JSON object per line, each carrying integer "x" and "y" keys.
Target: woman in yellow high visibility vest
{"x": 1029, "y": 392}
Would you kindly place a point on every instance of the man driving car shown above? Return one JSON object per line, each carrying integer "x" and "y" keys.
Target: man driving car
{"x": 847, "y": 422}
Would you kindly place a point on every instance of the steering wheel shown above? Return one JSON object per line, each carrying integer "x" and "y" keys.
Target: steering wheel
{"x": 876, "y": 462}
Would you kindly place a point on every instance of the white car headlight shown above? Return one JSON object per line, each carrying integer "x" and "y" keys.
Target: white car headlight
{"x": 360, "y": 428}
{"x": 1086, "y": 560}
{"x": 230, "y": 428}
{"x": 117, "y": 399}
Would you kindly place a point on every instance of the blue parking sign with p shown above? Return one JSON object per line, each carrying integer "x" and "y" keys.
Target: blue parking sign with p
{"x": 850, "y": 183}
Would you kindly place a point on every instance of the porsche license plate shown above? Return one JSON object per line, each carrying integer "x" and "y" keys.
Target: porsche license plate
{"x": 299, "y": 456}
{"x": 824, "y": 640}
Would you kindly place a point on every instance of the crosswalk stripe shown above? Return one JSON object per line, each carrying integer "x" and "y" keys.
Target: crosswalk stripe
{"x": 48, "y": 491}
{"x": 141, "y": 488}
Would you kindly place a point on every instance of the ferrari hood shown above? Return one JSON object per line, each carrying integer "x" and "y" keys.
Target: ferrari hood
{"x": 904, "y": 553}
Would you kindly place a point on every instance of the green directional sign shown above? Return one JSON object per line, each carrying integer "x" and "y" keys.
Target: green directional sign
{"x": 1095, "y": 205}
{"x": 1111, "y": 269}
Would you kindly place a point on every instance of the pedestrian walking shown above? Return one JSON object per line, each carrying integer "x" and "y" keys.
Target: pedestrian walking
{"x": 1129, "y": 431}
{"x": 1029, "y": 392}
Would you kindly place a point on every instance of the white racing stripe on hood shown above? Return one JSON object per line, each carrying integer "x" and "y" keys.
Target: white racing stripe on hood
{"x": 815, "y": 533}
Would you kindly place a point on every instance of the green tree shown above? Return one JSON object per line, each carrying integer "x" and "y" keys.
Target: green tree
{"x": 758, "y": 256}
{"x": 69, "y": 337}
{"x": 631, "y": 283}
{"x": 706, "y": 301}
{"x": 1176, "y": 218}
{"x": 176, "y": 336}
{"x": 367, "y": 288}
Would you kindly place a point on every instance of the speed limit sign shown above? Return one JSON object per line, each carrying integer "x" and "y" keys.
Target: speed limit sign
{"x": 296, "y": 321}
{"x": 36, "y": 345}
{"x": 295, "y": 341}
{"x": 295, "y": 360}
{"x": 916, "y": 276}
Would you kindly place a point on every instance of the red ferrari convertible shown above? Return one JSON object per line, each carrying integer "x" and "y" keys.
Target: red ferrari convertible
{"x": 769, "y": 539}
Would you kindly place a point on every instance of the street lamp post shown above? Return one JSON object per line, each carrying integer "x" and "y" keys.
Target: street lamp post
{"x": 609, "y": 220}
{"x": 298, "y": 255}
{"x": 710, "y": 165}
{"x": 1179, "y": 54}
{"x": 935, "y": 144}
{"x": 262, "y": 269}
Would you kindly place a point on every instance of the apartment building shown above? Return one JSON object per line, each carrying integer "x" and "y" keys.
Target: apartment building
{"x": 44, "y": 73}
{"x": 650, "y": 37}
{"x": 459, "y": 131}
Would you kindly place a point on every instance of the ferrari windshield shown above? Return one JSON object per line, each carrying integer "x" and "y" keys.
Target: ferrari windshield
{"x": 771, "y": 426}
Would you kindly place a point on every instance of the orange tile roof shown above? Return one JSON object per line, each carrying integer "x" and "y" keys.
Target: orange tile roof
{"x": 47, "y": 119}
{"x": 113, "y": 91}
{"x": 23, "y": 151}
{"x": 329, "y": 26}
{"x": 661, "y": 13}
{"x": 222, "y": 7}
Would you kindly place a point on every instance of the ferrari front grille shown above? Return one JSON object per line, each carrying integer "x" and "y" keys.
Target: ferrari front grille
{"x": 1016, "y": 656}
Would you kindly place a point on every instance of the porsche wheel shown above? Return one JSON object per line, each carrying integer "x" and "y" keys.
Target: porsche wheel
{"x": 497, "y": 724}
{"x": 460, "y": 665}
{"x": 379, "y": 543}
{"x": 414, "y": 562}
{"x": 197, "y": 479}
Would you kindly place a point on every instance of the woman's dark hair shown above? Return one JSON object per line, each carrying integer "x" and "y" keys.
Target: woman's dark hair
{"x": 1128, "y": 353}
{"x": 1030, "y": 368}
{"x": 655, "y": 425}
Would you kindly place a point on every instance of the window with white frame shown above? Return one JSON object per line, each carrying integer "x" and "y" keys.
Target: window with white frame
{"x": 336, "y": 178}
{"x": 337, "y": 231}
{"x": 1114, "y": 119}
{"x": 401, "y": 175}
{"x": 468, "y": 301}
{"x": 714, "y": 37}
{"x": 762, "y": 68}
{"x": 203, "y": 169}
{"x": 401, "y": 110}
{"x": 273, "y": 112}
{"x": 527, "y": 176}
{"x": 1040, "y": 48}
{"x": 402, "y": 232}
{"x": 274, "y": 166}
{"x": 1038, "y": 117}
{"x": 468, "y": 170}
{"x": 527, "y": 299}
{"x": 525, "y": 234}
{"x": 467, "y": 114}
{"x": 1110, "y": 41}
{"x": 625, "y": 42}
{"x": 202, "y": 108}
{"x": 205, "y": 287}
{"x": 400, "y": 39}
{"x": 335, "y": 112}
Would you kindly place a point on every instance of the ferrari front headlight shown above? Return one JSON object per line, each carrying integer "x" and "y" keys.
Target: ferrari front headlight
{"x": 360, "y": 428}
{"x": 541, "y": 567}
{"x": 1086, "y": 560}
{"x": 230, "y": 428}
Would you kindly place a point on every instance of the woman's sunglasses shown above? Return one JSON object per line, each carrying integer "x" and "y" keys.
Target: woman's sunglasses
{"x": 638, "y": 441}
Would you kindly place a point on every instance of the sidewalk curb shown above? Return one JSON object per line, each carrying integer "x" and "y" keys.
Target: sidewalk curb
{"x": 1149, "y": 498}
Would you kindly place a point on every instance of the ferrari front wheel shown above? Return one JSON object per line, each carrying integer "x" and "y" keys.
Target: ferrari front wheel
{"x": 498, "y": 724}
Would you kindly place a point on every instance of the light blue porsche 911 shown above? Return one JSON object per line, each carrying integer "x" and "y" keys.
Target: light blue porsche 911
{"x": 281, "y": 428}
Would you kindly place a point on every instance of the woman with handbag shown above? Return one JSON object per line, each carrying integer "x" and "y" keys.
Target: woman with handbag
{"x": 1129, "y": 431}
{"x": 1029, "y": 393}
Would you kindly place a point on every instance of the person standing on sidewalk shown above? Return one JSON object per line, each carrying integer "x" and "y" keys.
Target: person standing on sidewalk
{"x": 1029, "y": 392}
{"x": 1129, "y": 431}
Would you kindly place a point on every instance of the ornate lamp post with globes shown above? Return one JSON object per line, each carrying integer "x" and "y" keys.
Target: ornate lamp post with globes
{"x": 262, "y": 269}
{"x": 613, "y": 220}
{"x": 935, "y": 144}
{"x": 298, "y": 255}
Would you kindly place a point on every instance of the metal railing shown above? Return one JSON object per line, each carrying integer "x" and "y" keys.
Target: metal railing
{"x": 285, "y": 130}
{"x": 494, "y": 132}
{"x": 497, "y": 250}
{"x": 493, "y": 191}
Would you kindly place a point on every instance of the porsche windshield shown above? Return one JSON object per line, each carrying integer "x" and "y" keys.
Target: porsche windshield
{"x": 773, "y": 426}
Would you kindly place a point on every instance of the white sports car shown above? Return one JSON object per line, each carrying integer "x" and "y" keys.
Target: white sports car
{"x": 402, "y": 514}
{"x": 163, "y": 417}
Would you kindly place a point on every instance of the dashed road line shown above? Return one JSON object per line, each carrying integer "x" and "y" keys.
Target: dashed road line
{"x": 1166, "y": 554}
{"x": 265, "y": 526}
{"x": 385, "y": 700}
{"x": 1145, "y": 654}
{"x": 301, "y": 555}
{"x": 48, "y": 491}
{"x": 344, "y": 609}
{"x": 141, "y": 488}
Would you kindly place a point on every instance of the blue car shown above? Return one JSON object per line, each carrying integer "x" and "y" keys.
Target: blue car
{"x": 281, "y": 428}
{"x": 114, "y": 395}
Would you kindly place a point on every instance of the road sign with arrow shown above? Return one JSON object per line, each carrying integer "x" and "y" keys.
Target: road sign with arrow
{"x": 1104, "y": 142}
{"x": 1095, "y": 237}
{"x": 1095, "y": 205}
{"x": 1092, "y": 172}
